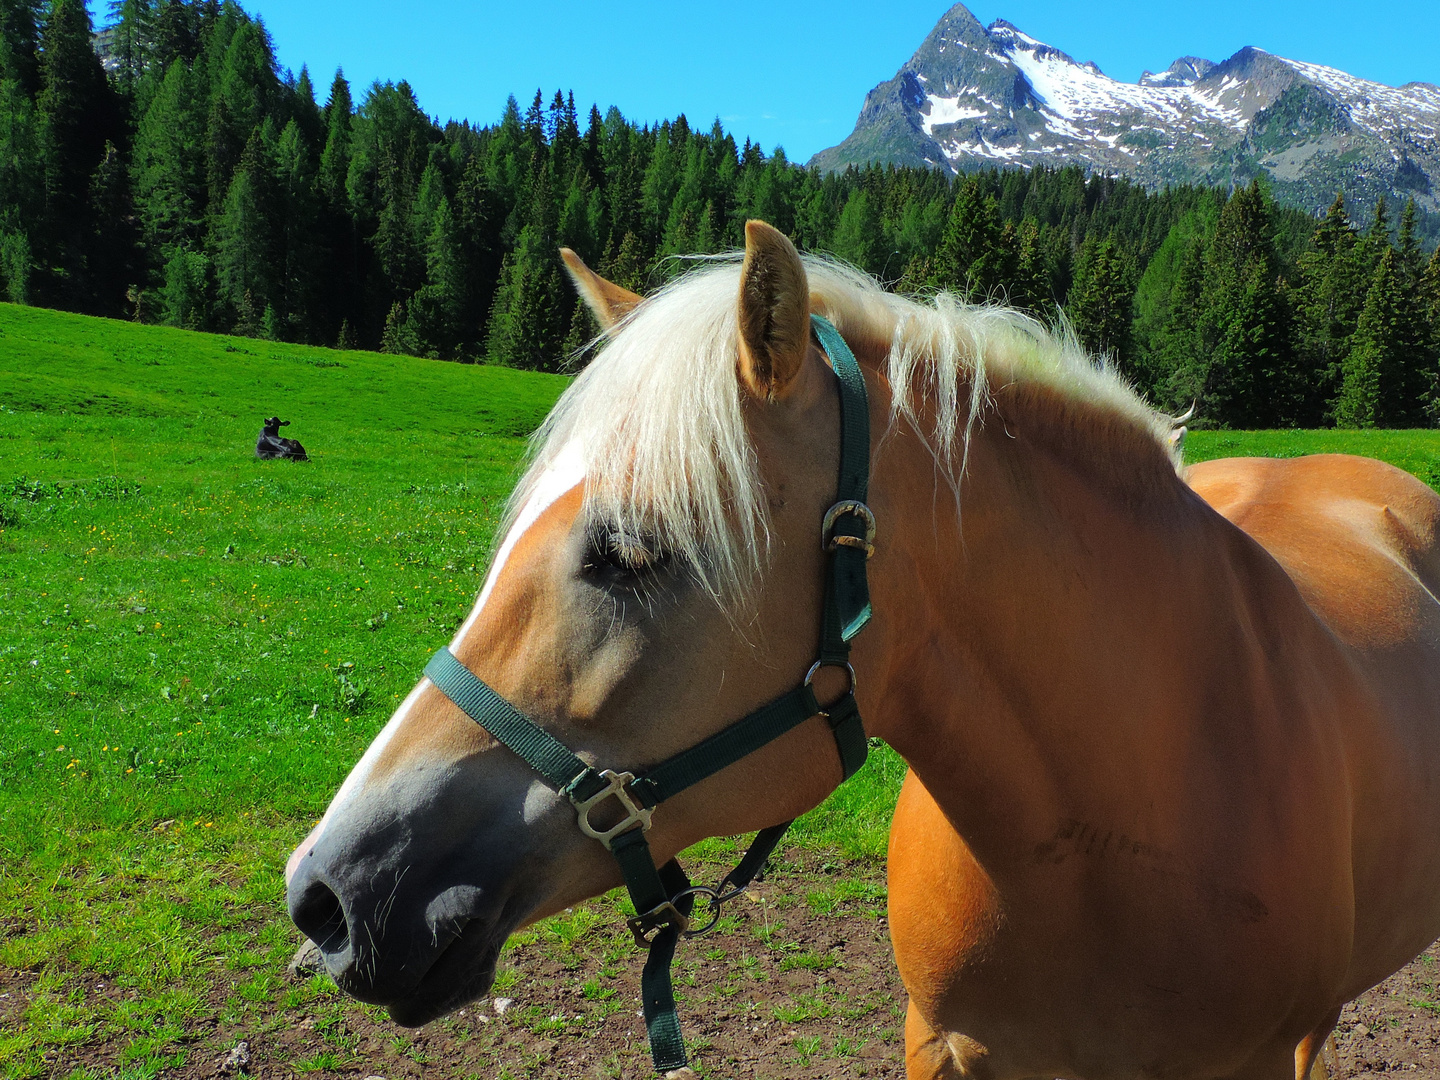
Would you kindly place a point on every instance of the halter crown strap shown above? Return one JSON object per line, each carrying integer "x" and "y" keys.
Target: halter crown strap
{"x": 662, "y": 896}
{"x": 851, "y": 592}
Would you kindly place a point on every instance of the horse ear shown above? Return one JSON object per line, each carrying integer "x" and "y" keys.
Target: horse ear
{"x": 774, "y": 312}
{"x": 607, "y": 301}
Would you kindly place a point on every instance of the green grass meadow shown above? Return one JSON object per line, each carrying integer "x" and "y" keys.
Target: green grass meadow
{"x": 197, "y": 645}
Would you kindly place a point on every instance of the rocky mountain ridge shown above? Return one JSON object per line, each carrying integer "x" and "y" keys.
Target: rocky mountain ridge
{"x": 974, "y": 96}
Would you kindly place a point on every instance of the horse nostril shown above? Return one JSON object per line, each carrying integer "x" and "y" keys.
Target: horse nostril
{"x": 319, "y": 914}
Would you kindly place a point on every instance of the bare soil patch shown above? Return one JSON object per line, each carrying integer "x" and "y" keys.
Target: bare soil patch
{"x": 797, "y": 982}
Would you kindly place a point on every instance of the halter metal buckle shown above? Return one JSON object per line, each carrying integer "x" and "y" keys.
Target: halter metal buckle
{"x": 616, "y": 784}
{"x": 854, "y": 508}
{"x": 643, "y": 927}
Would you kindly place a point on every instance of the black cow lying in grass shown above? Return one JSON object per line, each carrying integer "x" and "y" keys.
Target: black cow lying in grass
{"x": 271, "y": 444}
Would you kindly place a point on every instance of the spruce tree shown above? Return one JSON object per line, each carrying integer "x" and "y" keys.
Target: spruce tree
{"x": 175, "y": 33}
{"x": 186, "y": 302}
{"x": 76, "y": 119}
{"x": 1030, "y": 287}
{"x": 1176, "y": 367}
{"x": 335, "y": 158}
{"x": 1387, "y": 374}
{"x": 16, "y": 261}
{"x": 971, "y": 260}
{"x": 1328, "y": 300}
{"x": 1429, "y": 297}
{"x": 243, "y": 96}
{"x": 531, "y": 314}
{"x": 434, "y": 312}
{"x": 19, "y": 44}
{"x": 22, "y": 187}
{"x": 1243, "y": 330}
{"x": 1102, "y": 301}
{"x": 858, "y": 237}
{"x": 168, "y": 166}
{"x": 131, "y": 32}
{"x": 627, "y": 266}
{"x": 246, "y": 260}
{"x": 300, "y": 297}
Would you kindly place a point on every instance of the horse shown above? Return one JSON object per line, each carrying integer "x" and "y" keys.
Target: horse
{"x": 1172, "y": 735}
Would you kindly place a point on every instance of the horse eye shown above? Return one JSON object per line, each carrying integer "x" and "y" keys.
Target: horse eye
{"x": 628, "y": 556}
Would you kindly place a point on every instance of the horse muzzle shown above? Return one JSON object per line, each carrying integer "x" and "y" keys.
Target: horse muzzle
{"x": 419, "y": 948}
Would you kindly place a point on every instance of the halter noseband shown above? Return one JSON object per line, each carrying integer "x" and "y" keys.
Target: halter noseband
{"x": 663, "y": 896}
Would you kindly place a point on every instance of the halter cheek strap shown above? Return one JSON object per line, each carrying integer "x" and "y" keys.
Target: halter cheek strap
{"x": 663, "y": 896}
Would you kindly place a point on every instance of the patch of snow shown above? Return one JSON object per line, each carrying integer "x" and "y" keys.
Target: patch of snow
{"x": 1375, "y": 106}
{"x": 942, "y": 110}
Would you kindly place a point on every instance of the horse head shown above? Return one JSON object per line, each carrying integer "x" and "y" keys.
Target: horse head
{"x": 660, "y": 575}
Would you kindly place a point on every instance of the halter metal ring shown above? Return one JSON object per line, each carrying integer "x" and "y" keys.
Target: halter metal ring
{"x": 854, "y": 508}
{"x": 849, "y": 670}
{"x": 616, "y": 784}
{"x": 713, "y": 898}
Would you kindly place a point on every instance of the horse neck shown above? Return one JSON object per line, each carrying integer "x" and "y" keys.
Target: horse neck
{"x": 1026, "y": 645}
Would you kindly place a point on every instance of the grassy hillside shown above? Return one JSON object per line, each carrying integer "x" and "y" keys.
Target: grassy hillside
{"x": 199, "y": 644}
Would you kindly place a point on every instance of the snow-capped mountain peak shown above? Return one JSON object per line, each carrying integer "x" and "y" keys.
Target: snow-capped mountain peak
{"x": 975, "y": 95}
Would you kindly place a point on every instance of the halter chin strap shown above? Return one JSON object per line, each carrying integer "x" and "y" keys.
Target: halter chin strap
{"x": 663, "y": 896}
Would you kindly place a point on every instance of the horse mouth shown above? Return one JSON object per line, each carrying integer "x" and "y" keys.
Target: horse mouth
{"x": 460, "y": 975}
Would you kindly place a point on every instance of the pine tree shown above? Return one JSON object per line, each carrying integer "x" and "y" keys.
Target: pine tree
{"x": 16, "y": 261}
{"x": 1247, "y": 384}
{"x": 175, "y": 33}
{"x": 434, "y": 312}
{"x": 1429, "y": 298}
{"x": 306, "y": 112}
{"x": 113, "y": 244}
{"x": 1430, "y": 293}
{"x": 627, "y": 267}
{"x": 399, "y": 334}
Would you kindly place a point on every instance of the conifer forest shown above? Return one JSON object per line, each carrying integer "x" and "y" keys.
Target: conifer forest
{"x": 167, "y": 170}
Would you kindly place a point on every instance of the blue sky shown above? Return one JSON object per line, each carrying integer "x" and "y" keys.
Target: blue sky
{"x": 793, "y": 74}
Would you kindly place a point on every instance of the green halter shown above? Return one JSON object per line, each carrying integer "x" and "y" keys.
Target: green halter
{"x": 663, "y": 896}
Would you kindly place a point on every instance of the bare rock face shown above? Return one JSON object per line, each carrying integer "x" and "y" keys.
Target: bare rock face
{"x": 974, "y": 96}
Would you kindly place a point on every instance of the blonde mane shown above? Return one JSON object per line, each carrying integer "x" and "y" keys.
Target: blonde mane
{"x": 657, "y": 415}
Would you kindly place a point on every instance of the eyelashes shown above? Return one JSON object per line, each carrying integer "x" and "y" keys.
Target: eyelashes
{"x": 621, "y": 558}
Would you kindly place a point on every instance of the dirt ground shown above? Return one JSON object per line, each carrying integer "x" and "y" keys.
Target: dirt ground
{"x": 798, "y": 982}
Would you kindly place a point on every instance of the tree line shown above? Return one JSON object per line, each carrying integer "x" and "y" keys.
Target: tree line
{"x": 169, "y": 171}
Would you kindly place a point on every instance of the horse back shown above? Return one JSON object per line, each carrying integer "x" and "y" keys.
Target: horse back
{"x": 1360, "y": 539}
{"x": 1361, "y": 542}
